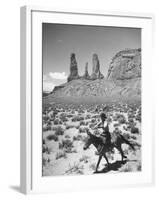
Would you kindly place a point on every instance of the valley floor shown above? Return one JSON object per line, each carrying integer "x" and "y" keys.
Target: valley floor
{"x": 64, "y": 136}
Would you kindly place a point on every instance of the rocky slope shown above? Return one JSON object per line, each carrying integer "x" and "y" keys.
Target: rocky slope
{"x": 123, "y": 81}
{"x": 125, "y": 65}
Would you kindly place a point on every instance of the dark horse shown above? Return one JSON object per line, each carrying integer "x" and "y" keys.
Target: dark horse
{"x": 116, "y": 141}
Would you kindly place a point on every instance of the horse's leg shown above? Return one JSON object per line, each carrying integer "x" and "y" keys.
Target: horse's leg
{"x": 122, "y": 153}
{"x": 99, "y": 159}
{"x": 106, "y": 159}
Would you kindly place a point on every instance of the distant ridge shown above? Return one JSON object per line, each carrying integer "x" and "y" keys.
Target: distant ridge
{"x": 123, "y": 82}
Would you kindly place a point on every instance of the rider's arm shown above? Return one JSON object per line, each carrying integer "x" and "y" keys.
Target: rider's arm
{"x": 99, "y": 125}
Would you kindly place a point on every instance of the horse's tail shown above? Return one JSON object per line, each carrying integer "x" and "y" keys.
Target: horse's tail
{"x": 127, "y": 142}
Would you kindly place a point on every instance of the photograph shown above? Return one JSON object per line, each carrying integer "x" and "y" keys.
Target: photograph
{"x": 91, "y": 99}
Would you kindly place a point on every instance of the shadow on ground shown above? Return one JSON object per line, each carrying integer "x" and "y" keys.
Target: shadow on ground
{"x": 113, "y": 166}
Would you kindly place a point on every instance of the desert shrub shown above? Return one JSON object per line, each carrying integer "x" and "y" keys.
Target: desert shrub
{"x": 67, "y": 145}
{"x": 67, "y": 136}
{"x": 69, "y": 126}
{"x": 76, "y": 168}
{"x": 138, "y": 118}
{"x": 49, "y": 122}
{"x": 57, "y": 121}
{"x": 134, "y": 130}
{"x": 88, "y": 117}
{"x": 125, "y": 128}
{"x": 44, "y": 161}
{"x": 52, "y": 137}
{"x": 84, "y": 139}
{"x": 63, "y": 119}
{"x": 86, "y": 123}
{"x": 131, "y": 124}
{"x": 126, "y": 168}
{"x": 52, "y": 119}
{"x": 45, "y": 117}
{"x": 82, "y": 129}
{"x": 93, "y": 120}
{"x": 109, "y": 119}
{"x": 53, "y": 128}
{"x": 133, "y": 137}
{"x": 92, "y": 166}
{"x": 121, "y": 120}
{"x": 82, "y": 123}
{"x": 46, "y": 127}
{"x": 131, "y": 120}
{"x": 84, "y": 159}
{"x": 139, "y": 166}
{"x": 81, "y": 111}
{"x": 43, "y": 141}
{"x": 69, "y": 115}
{"x": 126, "y": 136}
{"x": 60, "y": 154}
{"x": 45, "y": 149}
{"x": 115, "y": 118}
{"x": 59, "y": 131}
{"x": 126, "y": 151}
{"x": 95, "y": 116}
{"x": 77, "y": 126}
{"x": 116, "y": 124}
{"x": 77, "y": 138}
{"x": 77, "y": 118}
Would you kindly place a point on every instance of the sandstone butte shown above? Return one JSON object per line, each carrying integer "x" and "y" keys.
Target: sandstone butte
{"x": 122, "y": 82}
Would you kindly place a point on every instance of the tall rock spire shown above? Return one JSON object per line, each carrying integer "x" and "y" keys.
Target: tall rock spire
{"x": 73, "y": 68}
{"x": 86, "y": 74}
{"x": 96, "y": 74}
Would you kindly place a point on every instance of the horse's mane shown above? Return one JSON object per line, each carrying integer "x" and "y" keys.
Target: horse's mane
{"x": 96, "y": 138}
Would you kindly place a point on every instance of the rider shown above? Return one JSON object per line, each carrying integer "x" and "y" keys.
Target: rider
{"x": 105, "y": 135}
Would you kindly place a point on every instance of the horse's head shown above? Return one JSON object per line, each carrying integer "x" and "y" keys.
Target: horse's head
{"x": 89, "y": 140}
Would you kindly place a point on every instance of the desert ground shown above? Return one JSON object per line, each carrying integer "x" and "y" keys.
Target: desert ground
{"x": 64, "y": 136}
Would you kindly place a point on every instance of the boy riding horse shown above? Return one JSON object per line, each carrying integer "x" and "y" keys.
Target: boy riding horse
{"x": 105, "y": 135}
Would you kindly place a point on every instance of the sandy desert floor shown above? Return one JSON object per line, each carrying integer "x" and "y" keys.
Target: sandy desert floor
{"x": 64, "y": 136}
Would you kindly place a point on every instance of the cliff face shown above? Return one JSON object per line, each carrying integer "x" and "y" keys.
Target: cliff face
{"x": 125, "y": 65}
{"x": 123, "y": 81}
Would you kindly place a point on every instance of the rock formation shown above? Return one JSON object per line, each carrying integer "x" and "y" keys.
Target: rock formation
{"x": 86, "y": 74}
{"x": 123, "y": 81}
{"x": 125, "y": 64}
{"x": 73, "y": 68}
{"x": 96, "y": 74}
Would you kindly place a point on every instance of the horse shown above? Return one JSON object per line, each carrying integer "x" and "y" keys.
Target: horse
{"x": 116, "y": 141}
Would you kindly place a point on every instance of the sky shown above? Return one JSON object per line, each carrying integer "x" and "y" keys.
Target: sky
{"x": 60, "y": 40}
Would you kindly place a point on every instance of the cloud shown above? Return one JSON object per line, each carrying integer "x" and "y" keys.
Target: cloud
{"x": 48, "y": 86}
{"x": 53, "y": 79}
{"x": 58, "y": 75}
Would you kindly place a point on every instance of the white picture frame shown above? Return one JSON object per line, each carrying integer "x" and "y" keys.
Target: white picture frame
{"x": 31, "y": 100}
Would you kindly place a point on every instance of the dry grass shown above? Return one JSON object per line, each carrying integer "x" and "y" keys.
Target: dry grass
{"x": 52, "y": 137}
{"x": 69, "y": 124}
{"x": 61, "y": 154}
